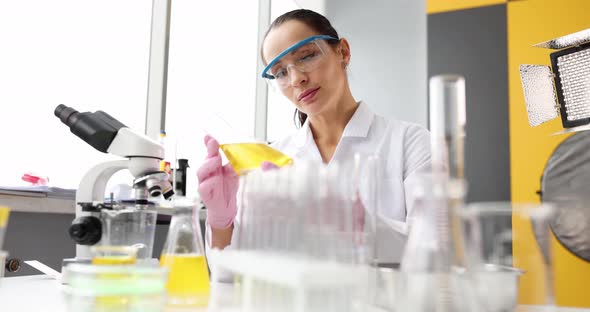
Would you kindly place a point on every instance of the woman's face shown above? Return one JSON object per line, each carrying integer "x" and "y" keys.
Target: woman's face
{"x": 316, "y": 91}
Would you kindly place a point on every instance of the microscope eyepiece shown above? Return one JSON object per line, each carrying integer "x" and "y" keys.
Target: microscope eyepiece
{"x": 66, "y": 114}
{"x": 97, "y": 129}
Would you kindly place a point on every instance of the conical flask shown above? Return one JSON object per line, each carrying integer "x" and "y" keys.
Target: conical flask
{"x": 183, "y": 255}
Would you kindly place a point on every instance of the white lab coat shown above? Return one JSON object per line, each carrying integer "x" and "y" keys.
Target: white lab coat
{"x": 403, "y": 150}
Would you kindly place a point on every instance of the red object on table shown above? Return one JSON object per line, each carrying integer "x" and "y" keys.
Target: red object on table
{"x": 35, "y": 179}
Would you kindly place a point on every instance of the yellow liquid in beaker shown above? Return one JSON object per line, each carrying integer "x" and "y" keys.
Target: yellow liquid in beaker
{"x": 249, "y": 156}
{"x": 113, "y": 260}
{"x": 4, "y": 212}
{"x": 188, "y": 279}
{"x": 112, "y": 303}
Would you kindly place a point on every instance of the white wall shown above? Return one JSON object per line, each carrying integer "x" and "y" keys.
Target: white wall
{"x": 280, "y": 109}
{"x": 94, "y": 55}
{"x": 388, "y": 46}
{"x": 91, "y": 55}
{"x": 211, "y": 77}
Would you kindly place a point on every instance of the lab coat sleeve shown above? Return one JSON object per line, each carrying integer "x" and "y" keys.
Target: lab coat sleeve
{"x": 415, "y": 158}
{"x": 417, "y": 161}
{"x": 217, "y": 274}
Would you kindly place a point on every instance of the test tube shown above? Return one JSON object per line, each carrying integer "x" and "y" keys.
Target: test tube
{"x": 447, "y": 124}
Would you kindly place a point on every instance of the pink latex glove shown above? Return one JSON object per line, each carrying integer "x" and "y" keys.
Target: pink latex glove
{"x": 218, "y": 186}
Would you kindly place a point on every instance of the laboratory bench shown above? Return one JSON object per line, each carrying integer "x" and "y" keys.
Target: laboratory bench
{"x": 38, "y": 228}
{"x": 43, "y": 293}
{"x": 38, "y": 231}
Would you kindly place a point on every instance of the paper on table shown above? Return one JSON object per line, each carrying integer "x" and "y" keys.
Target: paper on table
{"x": 44, "y": 269}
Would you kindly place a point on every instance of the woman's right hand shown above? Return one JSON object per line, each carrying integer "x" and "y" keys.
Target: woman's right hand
{"x": 218, "y": 186}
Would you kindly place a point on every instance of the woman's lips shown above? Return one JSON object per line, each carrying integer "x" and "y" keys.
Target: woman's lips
{"x": 308, "y": 95}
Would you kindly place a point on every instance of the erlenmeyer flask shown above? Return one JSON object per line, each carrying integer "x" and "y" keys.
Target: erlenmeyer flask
{"x": 183, "y": 255}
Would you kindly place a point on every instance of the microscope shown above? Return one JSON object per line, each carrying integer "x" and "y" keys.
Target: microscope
{"x": 99, "y": 221}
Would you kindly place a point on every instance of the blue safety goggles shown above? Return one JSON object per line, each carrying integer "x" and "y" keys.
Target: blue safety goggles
{"x": 290, "y": 50}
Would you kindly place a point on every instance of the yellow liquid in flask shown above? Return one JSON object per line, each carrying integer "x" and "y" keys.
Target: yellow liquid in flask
{"x": 248, "y": 156}
{"x": 188, "y": 279}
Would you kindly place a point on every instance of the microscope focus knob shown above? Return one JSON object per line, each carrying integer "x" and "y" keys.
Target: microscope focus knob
{"x": 86, "y": 230}
{"x": 12, "y": 265}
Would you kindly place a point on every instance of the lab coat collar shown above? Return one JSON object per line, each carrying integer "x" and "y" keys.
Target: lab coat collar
{"x": 360, "y": 123}
{"x": 303, "y": 134}
{"x": 358, "y": 126}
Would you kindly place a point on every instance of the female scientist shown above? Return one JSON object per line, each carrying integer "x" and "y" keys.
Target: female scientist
{"x": 307, "y": 61}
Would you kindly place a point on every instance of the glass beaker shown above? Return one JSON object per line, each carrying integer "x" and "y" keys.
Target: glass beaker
{"x": 506, "y": 247}
{"x": 114, "y": 288}
{"x": 3, "y": 256}
{"x": 183, "y": 255}
{"x": 4, "y": 213}
{"x": 129, "y": 226}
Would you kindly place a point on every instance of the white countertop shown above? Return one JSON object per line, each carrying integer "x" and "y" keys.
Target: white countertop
{"x": 42, "y": 293}
{"x": 31, "y": 293}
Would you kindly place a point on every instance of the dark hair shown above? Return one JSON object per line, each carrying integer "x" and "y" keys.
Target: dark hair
{"x": 315, "y": 21}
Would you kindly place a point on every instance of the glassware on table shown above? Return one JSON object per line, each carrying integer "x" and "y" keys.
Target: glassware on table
{"x": 326, "y": 212}
{"x": 3, "y": 256}
{"x": 128, "y": 226}
{"x": 98, "y": 288}
{"x": 383, "y": 291}
{"x": 504, "y": 244}
{"x": 426, "y": 281}
{"x": 184, "y": 256}
{"x": 432, "y": 238}
{"x": 4, "y": 214}
{"x": 306, "y": 237}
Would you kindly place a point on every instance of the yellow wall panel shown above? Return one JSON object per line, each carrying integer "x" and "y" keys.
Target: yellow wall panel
{"x": 438, "y": 6}
{"x": 530, "y": 22}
